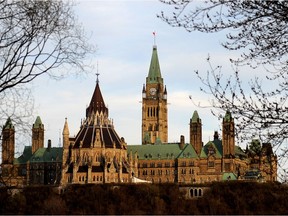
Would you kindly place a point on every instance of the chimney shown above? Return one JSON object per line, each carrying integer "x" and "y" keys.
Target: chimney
{"x": 49, "y": 145}
{"x": 182, "y": 142}
{"x": 216, "y": 135}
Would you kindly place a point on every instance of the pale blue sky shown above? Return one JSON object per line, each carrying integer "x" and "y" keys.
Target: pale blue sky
{"x": 122, "y": 32}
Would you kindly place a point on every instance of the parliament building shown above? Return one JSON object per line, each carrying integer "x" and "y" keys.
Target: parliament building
{"x": 97, "y": 154}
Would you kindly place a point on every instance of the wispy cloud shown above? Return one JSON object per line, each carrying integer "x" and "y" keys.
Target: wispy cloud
{"x": 122, "y": 31}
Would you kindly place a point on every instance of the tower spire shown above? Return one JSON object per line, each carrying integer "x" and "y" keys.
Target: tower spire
{"x": 154, "y": 105}
{"x": 154, "y": 75}
{"x": 154, "y": 37}
{"x": 97, "y": 74}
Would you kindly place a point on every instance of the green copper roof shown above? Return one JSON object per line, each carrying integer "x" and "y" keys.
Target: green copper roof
{"x": 47, "y": 155}
{"x": 228, "y": 116}
{"x": 188, "y": 152}
{"x": 195, "y": 117}
{"x": 162, "y": 151}
{"x": 229, "y": 176}
{"x": 216, "y": 145}
{"x": 27, "y": 153}
{"x": 154, "y": 75}
{"x": 38, "y": 123}
{"x": 8, "y": 124}
{"x": 239, "y": 152}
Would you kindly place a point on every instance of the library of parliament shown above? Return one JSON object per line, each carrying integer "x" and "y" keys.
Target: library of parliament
{"x": 97, "y": 154}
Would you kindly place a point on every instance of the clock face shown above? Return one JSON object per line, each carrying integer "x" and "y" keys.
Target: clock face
{"x": 152, "y": 91}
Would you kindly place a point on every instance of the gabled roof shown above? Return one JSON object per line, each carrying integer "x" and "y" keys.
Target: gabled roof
{"x": 40, "y": 156}
{"x": 188, "y": 152}
{"x": 239, "y": 152}
{"x": 162, "y": 151}
{"x": 216, "y": 145}
{"x": 27, "y": 154}
{"x": 47, "y": 155}
{"x": 154, "y": 75}
{"x": 97, "y": 102}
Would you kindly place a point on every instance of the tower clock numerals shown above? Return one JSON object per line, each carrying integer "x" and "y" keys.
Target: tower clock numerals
{"x": 152, "y": 91}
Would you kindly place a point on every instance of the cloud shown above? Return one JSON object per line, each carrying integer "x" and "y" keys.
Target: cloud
{"x": 122, "y": 31}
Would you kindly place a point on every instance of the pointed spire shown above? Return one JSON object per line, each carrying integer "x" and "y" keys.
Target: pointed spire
{"x": 8, "y": 124}
{"x": 38, "y": 123}
{"x": 165, "y": 93}
{"x": 154, "y": 75}
{"x": 97, "y": 101}
{"x": 66, "y": 128}
{"x": 165, "y": 90}
{"x": 228, "y": 116}
{"x": 154, "y": 36}
{"x": 195, "y": 118}
{"x": 143, "y": 90}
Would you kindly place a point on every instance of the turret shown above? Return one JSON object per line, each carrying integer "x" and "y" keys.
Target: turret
{"x": 8, "y": 142}
{"x": 196, "y": 132}
{"x": 37, "y": 135}
{"x": 65, "y": 134}
{"x": 165, "y": 94}
{"x": 228, "y": 135}
{"x": 97, "y": 112}
{"x": 143, "y": 91}
{"x": 154, "y": 105}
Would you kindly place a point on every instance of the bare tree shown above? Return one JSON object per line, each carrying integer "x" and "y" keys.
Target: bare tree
{"x": 37, "y": 37}
{"x": 259, "y": 29}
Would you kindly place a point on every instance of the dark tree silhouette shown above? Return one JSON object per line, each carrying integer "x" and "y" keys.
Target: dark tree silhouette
{"x": 259, "y": 29}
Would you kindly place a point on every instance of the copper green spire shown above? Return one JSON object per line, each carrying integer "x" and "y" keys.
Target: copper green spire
{"x": 38, "y": 123}
{"x": 228, "y": 116}
{"x": 154, "y": 75}
{"x": 195, "y": 117}
{"x": 8, "y": 124}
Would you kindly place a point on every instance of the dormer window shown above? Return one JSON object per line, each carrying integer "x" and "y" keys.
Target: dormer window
{"x": 211, "y": 150}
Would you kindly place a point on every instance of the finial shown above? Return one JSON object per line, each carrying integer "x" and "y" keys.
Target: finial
{"x": 97, "y": 74}
{"x": 154, "y": 35}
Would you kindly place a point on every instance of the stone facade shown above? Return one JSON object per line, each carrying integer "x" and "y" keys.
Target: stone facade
{"x": 193, "y": 162}
{"x": 154, "y": 105}
{"x": 96, "y": 154}
{"x": 36, "y": 166}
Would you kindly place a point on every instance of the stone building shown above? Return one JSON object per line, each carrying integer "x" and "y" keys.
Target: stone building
{"x": 219, "y": 159}
{"x": 36, "y": 166}
{"x": 154, "y": 105}
{"x": 96, "y": 154}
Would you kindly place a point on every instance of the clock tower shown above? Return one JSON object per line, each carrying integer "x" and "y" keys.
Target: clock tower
{"x": 154, "y": 105}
